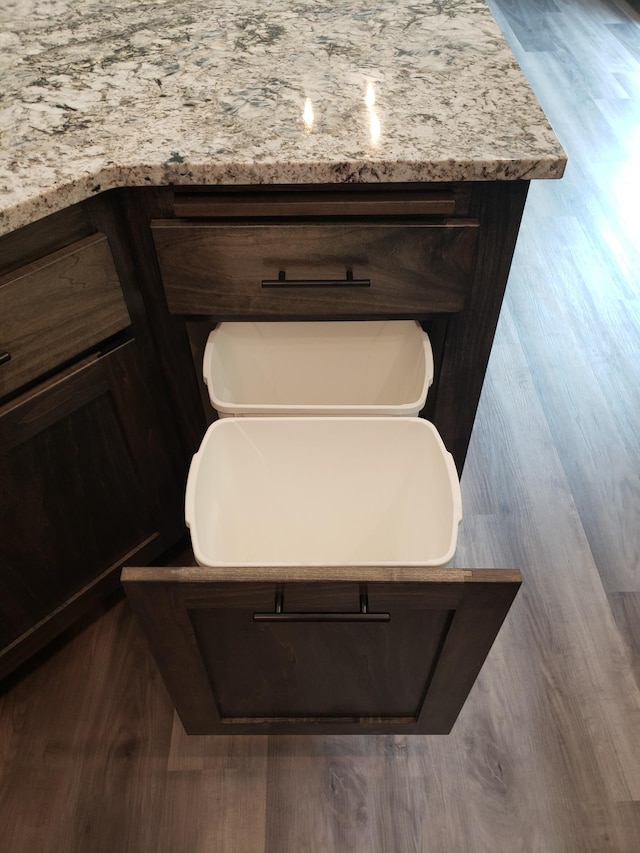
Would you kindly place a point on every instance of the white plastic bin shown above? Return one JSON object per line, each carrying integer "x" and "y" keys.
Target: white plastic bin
{"x": 323, "y": 492}
{"x": 318, "y": 368}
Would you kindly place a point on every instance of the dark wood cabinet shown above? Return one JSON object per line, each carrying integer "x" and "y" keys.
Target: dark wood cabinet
{"x": 55, "y": 309}
{"x": 106, "y": 307}
{"x": 316, "y": 269}
{"x": 313, "y": 650}
{"x": 90, "y": 474}
{"x": 339, "y": 651}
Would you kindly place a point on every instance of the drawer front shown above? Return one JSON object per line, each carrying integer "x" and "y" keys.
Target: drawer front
{"x": 56, "y": 308}
{"x": 320, "y": 654}
{"x": 315, "y": 269}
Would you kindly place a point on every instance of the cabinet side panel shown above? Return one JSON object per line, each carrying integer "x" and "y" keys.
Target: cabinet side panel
{"x": 469, "y": 336}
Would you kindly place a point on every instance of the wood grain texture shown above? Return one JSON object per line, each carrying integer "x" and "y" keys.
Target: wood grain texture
{"x": 58, "y": 307}
{"x": 544, "y": 756}
{"x": 366, "y": 200}
{"x": 45, "y": 236}
{"x": 219, "y": 270}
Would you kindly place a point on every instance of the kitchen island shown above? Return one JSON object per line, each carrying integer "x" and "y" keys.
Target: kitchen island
{"x": 162, "y": 161}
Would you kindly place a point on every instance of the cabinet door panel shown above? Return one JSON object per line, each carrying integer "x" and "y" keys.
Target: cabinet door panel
{"x": 228, "y": 674}
{"x": 273, "y": 670}
{"x": 75, "y": 492}
{"x": 71, "y": 500}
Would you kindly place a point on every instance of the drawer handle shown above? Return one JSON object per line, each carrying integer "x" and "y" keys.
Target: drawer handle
{"x": 363, "y": 615}
{"x": 5, "y": 357}
{"x": 348, "y": 281}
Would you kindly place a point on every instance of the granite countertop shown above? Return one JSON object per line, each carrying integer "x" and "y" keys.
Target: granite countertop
{"x": 98, "y": 94}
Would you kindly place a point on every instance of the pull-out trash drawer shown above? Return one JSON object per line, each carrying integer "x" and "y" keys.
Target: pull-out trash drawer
{"x": 320, "y": 603}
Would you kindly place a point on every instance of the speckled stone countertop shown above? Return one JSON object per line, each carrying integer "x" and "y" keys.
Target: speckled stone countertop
{"x": 97, "y": 94}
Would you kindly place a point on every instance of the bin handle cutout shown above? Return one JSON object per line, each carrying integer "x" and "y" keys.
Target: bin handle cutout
{"x": 363, "y": 615}
{"x": 347, "y": 281}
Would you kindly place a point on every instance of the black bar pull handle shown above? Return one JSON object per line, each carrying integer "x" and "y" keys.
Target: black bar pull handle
{"x": 5, "y": 357}
{"x": 347, "y": 281}
{"x": 362, "y": 615}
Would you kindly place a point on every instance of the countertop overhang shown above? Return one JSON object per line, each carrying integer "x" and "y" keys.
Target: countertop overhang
{"x": 99, "y": 95}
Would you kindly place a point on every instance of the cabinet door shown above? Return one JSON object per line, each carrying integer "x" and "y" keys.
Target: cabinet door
{"x": 86, "y": 483}
{"x": 330, "y": 656}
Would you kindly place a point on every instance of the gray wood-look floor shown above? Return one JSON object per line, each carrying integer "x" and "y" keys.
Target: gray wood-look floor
{"x": 546, "y": 754}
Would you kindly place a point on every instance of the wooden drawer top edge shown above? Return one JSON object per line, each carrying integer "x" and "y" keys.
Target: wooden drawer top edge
{"x": 53, "y": 258}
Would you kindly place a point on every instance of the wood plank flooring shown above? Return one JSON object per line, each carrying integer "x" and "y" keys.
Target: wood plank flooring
{"x": 546, "y": 754}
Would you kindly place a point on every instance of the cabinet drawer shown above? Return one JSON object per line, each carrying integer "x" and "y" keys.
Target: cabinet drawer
{"x": 318, "y": 269}
{"x": 56, "y": 308}
{"x": 319, "y": 651}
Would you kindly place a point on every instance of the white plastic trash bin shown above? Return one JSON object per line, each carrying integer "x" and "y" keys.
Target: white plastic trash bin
{"x": 323, "y": 492}
{"x": 318, "y": 368}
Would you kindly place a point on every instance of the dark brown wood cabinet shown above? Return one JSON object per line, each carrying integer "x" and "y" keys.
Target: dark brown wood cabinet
{"x": 342, "y": 651}
{"x": 107, "y": 307}
{"x": 352, "y": 269}
{"x": 89, "y": 472}
{"x": 352, "y": 650}
{"x": 57, "y": 308}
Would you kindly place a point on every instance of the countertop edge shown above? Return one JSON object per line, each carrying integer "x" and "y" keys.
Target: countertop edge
{"x": 116, "y": 176}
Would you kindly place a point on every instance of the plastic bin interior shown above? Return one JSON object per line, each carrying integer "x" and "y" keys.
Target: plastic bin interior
{"x": 323, "y": 368}
{"x": 323, "y": 491}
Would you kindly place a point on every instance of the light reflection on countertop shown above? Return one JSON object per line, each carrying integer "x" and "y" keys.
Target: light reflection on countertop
{"x": 374, "y": 122}
{"x": 308, "y": 114}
